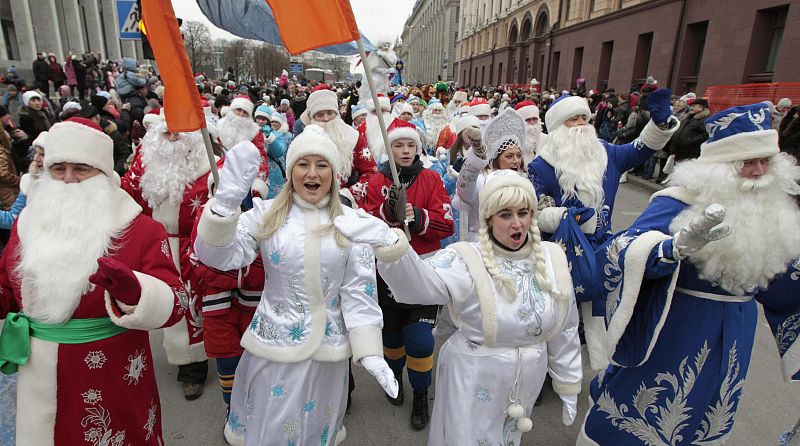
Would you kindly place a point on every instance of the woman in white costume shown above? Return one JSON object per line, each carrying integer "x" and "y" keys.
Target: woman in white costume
{"x": 319, "y": 306}
{"x": 498, "y": 148}
{"x": 511, "y": 297}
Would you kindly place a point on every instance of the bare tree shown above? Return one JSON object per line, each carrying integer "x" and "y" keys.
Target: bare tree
{"x": 197, "y": 40}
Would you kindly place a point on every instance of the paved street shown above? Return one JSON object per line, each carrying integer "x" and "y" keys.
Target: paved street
{"x": 769, "y": 405}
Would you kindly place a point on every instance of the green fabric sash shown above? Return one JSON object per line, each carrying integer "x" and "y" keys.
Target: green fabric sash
{"x": 15, "y": 339}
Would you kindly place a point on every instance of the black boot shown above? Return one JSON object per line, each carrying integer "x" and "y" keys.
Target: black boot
{"x": 419, "y": 411}
{"x": 400, "y": 396}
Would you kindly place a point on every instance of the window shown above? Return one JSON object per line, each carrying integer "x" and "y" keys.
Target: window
{"x": 642, "y": 60}
{"x": 554, "y": 64}
{"x": 765, "y": 44}
{"x": 10, "y": 37}
{"x": 577, "y": 64}
{"x": 692, "y": 54}
{"x": 775, "y": 40}
{"x": 606, "y": 54}
{"x": 500, "y": 72}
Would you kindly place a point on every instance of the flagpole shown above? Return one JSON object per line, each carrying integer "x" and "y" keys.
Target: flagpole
{"x": 212, "y": 160}
{"x": 381, "y": 123}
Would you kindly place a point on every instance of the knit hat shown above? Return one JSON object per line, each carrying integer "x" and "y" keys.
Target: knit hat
{"x": 397, "y": 97}
{"x": 466, "y": 121}
{"x": 278, "y": 117}
{"x": 71, "y": 106}
{"x": 785, "y": 102}
{"x": 218, "y": 89}
{"x": 401, "y": 129}
{"x": 739, "y": 134}
{"x": 479, "y": 107}
{"x": 322, "y": 100}
{"x": 284, "y": 101}
{"x": 243, "y": 103}
{"x": 28, "y": 95}
{"x": 499, "y": 180}
{"x": 384, "y": 102}
{"x": 527, "y": 109}
{"x": 40, "y": 140}
{"x": 79, "y": 140}
{"x": 313, "y": 141}
{"x": 265, "y": 111}
{"x": 564, "y": 108}
{"x": 435, "y": 103}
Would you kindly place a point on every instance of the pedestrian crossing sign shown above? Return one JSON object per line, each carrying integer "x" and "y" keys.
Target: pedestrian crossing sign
{"x": 129, "y": 16}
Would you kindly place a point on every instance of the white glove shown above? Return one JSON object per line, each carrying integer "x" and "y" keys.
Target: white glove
{"x": 704, "y": 228}
{"x": 570, "y": 409}
{"x": 378, "y": 368}
{"x": 472, "y": 136}
{"x": 366, "y": 229}
{"x": 237, "y": 176}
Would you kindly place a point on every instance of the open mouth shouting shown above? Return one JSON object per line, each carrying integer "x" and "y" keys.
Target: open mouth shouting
{"x": 517, "y": 237}
{"x": 312, "y": 186}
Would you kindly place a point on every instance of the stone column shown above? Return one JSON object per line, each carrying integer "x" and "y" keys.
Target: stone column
{"x": 45, "y": 26}
{"x": 75, "y": 41}
{"x": 114, "y": 49}
{"x": 93, "y": 26}
{"x": 23, "y": 26}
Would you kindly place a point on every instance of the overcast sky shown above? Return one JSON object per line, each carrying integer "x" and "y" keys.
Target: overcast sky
{"x": 375, "y": 17}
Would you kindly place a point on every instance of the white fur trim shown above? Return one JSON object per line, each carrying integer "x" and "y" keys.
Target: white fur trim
{"x": 25, "y": 182}
{"x": 464, "y": 122}
{"x": 126, "y": 208}
{"x": 386, "y": 105}
{"x": 480, "y": 110}
{"x": 460, "y": 96}
{"x": 405, "y": 132}
{"x": 594, "y": 329}
{"x": 242, "y": 103}
{"x": 37, "y": 395}
{"x": 73, "y": 142}
{"x": 567, "y": 389}
{"x": 566, "y": 109}
{"x": 590, "y": 226}
{"x": 313, "y": 141}
{"x": 271, "y": 138}
{"x": 635, "y": 261}
{"x": 740, "y": 147}
{"x": 790, "y": 362}
{"x": 483, "y": 287}
{"x": 528, "y": 112}
{"x": 679, "y": 193}
{"x": 232, "y": 437}
{"x": 261, "y": 188}
{"x": 393, "y": 253}
{"x": 656, "y": 138}
{"x": 366, "y": 341}
{"x": 349, "y": 195}
{"x": 154, "y": 307}
{"x": 216, "y": 230}
{"x": 179, "y": 350}
{"x": 562, "y": 294}
{"x": 322, "y": 100}
{"x": 550, "y": 218}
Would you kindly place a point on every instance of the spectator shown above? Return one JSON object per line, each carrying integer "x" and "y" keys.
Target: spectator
{"x": 41, "y": 73}
{"x": 789, "y": 133}
{"x": 9, "y": 178}
{"x": 69, "y": 72}
{"x": 11, "y": 101}
{"x": 80, "y": 76}
{"x": 129, "y": 81}
{"x": 56, "y": 72}
{"x": 32, "y": 118}
{"x": 685, "y": 143}
{"x": 783, "y": 107}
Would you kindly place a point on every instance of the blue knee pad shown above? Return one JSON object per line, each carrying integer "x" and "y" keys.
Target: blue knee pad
{"x": 419, "y": 354}
{"x": 394, "y": 352}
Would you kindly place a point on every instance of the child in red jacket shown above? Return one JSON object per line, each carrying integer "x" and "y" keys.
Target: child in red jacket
{"x": 422, "y": 203}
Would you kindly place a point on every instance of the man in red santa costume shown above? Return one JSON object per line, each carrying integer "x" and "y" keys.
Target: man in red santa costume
{"x": 84, "y": 275}
{"x": 371, "y": 129}
{"x": 169, "y": 180}
{"x": 534, "y": 138}
{"x": 236, "y": 126}
{"x": 356, "y": 164}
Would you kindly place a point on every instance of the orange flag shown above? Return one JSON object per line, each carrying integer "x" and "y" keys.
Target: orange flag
{"x": 309, "y": 24}
{"x": 181, "y": 98}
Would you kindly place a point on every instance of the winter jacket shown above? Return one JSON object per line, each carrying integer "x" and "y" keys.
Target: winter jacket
{"x": 57, "y": 73}
{"x": 41, "y": 70}
{"x": 128, "y": 81}
{"x": 13, "y": 104}
{"x": 634, "y": 126}
{"x": 276, "y": 155}
{"x": 33, "y": 122}
{"x": 789, "y": 133}
{"x": 685, "y": 143}
{"x": 122, "y": 148}
{"x": 9, "y": 178}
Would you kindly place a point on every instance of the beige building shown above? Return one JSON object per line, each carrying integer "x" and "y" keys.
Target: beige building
{"x": 429, "y": 41}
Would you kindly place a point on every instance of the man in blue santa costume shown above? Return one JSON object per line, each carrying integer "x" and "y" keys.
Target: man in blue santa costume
{"x": 577, "y": 174}
{"x": 682, "y": 284}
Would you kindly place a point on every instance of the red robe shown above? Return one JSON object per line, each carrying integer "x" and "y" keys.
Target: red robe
{"x": 446, "y": 137}
{"x": 363, "y": 165}
{"x": 101, "y": 392}
{"x": 183, "y": 341}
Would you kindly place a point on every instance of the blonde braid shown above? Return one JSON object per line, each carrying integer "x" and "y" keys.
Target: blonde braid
{"x": 539, "y": 261}
{"x": 506, "y": 284}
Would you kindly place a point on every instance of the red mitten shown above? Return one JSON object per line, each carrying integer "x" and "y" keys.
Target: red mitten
{"x": 118, "y": 279}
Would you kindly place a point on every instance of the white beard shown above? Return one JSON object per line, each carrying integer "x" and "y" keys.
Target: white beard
{"x": 762, "y": 214}
{"x": 65, "y": 229}
{"x": 375, "y": 137}
{"x": 170, "y": 166}
{"x": 338, "y": 131}
{"x": 580, "y": 162}
{"x": 433, "y": 125}
{"x": 532, "y": 133}
{"x": 233, "y": 129}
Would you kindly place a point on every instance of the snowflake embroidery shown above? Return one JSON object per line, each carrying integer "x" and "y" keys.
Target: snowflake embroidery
{"x": 369, "y": 289}
{"x": 279, "y": 309}
{"x": 92, "y": 434}
{"x": 137, "y": 364}
{"x": 165, "y": 248}
{"x": 251, "y": 408}
{"x": 533, "y": 330}
{"x": 483, "y": 394}
{"x": 309, "y": 406}
{"x": 183, "y": 299}
{"x": 578, "y": 251}
{"x": 291, "y": 427}
{"x": 151, "y": 420}
{"x": 329, "y": 412}
{"x": 579, "y": 289}
{"x": 366, "y": 154}
{"x": 196, "y": 204}
{"x": 95, "y": 359}
{"x": 278, "y": 391}
{"x": 472, "y": 346}
{"x": 275, "y": 258}
{"x": 297, "y": 331}
{"x": 524, "y": 314}
{"x": 569, "y": 332}
{"x": 233, "y": 421}
{"x": 92, "y": 396}
{"x": 118, "y": 439}
{"x": 366, "y": 259}
{"x": 254, "y": 322}
{"x": 334, "y": 302}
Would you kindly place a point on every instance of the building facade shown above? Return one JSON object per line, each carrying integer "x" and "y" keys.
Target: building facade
{"x": 60, "y": 27}
{"x": 429, "y": 41}
{"x": 686, "y": 45}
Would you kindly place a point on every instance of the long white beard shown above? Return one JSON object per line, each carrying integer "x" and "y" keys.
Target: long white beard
{"x": 170, "y": 166}
{"x": 337, "y": 132}
{"x": 433, "y": 125}
{"x": 64, "y": 229}
{"x": 532, "y": 133}
{"x": 375, "y": 137}
{"x": 580, "y": 162}
{"x": 762, "y": 214}
{"x": 233, "y": 129}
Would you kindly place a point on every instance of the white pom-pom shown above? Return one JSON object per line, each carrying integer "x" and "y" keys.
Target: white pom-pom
{"x": 516, "y": 411}
{"x": 524, "y": 425}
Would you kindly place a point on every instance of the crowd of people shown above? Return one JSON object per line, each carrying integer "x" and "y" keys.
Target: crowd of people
{"x": 478, "y": 215}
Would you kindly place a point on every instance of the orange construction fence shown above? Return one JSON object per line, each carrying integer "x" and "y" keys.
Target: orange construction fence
{"x": 721, "y": 97}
